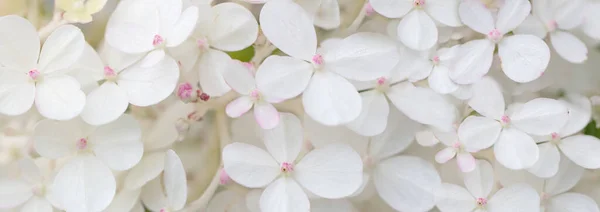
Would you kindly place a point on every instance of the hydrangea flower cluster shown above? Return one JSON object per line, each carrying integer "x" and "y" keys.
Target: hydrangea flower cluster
{"x": 299, "y": 105}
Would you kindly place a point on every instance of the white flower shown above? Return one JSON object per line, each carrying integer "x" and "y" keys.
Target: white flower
{"x": 509, "y": 130}
{"x": 477, "y": 196}
{"x": 80, "y": 11}
{"x": 435, "y": 65}
{"x": 590, "y": 24}
{"x": 331, "y": 172}
{"x": 154, "y": 26}
{"x": 417, "y": 29}
{"x": 461, "y": 144}
{"x": 169, "y": 192}
{"x": 524, "y": 57}
{"x": 125, "y": 82}
{"x": 31, "y": 190}
{"x": 96, "y": 151}
{"x": 324, "y": 13}
{"x": 224, "y": 27}
{"x": 240, "y": 78}
{"x": 554, "y": 18}
{"x": 328, "y": 96}
{"x": 28, "y": 75}
{"x": 578, "y": 148}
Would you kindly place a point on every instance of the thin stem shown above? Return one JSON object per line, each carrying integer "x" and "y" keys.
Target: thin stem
{"x": 359, "y": 19}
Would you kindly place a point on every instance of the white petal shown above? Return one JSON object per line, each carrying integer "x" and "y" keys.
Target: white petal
{"x": 519, "y": 197}
{"x": 332, "y": 172}
{"x": 418, "y": 31}
{"x": 581, "y": 150}
{"x": 239, "y": 106}
{"x": 174, "y": 181}
{"x": 445, "y": 155}
{"x": 570, "y": 15}
{"x": 54, "y": 139}
{"x": 14, "y": 193}
{"x": 235, "y": 28}
{"x": 29, "y": 170}
{"x": 392, "y": 8}
{"x": 59, "y": 97}
{"x": 150, "y": 166}
{"x": 362, "y": 56}
{"x": 153, "y": 195}
{"x": 133, "y": 32}
{"x": 326, "y": 14}
{"x": 284, "y": 195}
{"x": 511, "y": 14}
{"x": 37, "y": 204}
{"x": 487, "y": 98}
{"x": 426, "y": 138}
{"x": 149, "y": 85}
{"x": 532, "y": 25}
{"x": 444, "y": 11}
{"x": 374, "y": 115}
{"x": 289, "y": 28}
{"x": 453, "y": 198}
{"x": 266, "y": 115}
{"x": 480, "y": 181}
{"x": 183, "y": 27}
{"x": 547, "y": 165}
{"x": 465, "y": 161}
{"x": 62, "y": 49}
{"x": 569, "y": 47}
{"x": 168, "y": 13}
{"x": 239, "y": 78}
{"x": 152, "y": 58}
{"x": 440, "y": 81}
{"x": 590, "y": 25}
{"x": 475, "y": 62}
{"x": 284, "y": 142}
{"x": 20, "y": 47}
{"x": 524, "y": 57}
{"x": 16, "y": 93}
{"x": 283, "y": 77}
{"x": 571, "y": 202}
{"x": 118, "y": 144}
{"x": 105, "y": 104}
{"x": 569, "y": 174}
{"x": 84, "y": 184}
{"x": 331, "y": 99}
{"x": 187, "y": 54}
{"x": 211, "y": 66}
{"x": 423, "y": 105}
{"x": 580, "y": 112}
{"x": 540, "y": 116}
{"x": 478, "y": 133}
{"x": 249, "y": 165}
{"x": 476, "y": 16}
{"x": 407, "y": 183}
{"x": 515, "y": 149}
{"x": 114, "y": 58}
{"x": 125, "y": 200}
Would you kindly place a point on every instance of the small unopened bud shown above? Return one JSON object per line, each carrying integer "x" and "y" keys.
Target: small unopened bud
{"x": 369, "y": 11}
{"x": 202, "y": 96}
{"x": 185, "y": 91}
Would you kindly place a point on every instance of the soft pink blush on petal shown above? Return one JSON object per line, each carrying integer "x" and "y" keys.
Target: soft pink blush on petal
{"x": 266, "y": 115}
{"x": 238, "y": 107}
{"x": 466, "y": 162}
{"x": 445, "y": 155}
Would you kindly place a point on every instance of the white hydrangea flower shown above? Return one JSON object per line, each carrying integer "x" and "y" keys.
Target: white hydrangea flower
{"x": 32, "y": 190}
{"x": 155, "y": 26}
{"x": 95, "y": 151}
{"x": 223, "y": 27}
{"x": 125, "y": 82}
{"x": 435, "y": 65}
{"x": 330, "y": 172}
{"x": 417, "y": 29}
{"x": 28, "y": 75}
{"x": 324, "y": 13}
{"x": 591, "y": 17}
{"x": 509, "y": 130}
{"x": 524, "y": 57}
{"x": 328, "y": 96}
{"x": 554, "y": 18}
{"x": 478, "y": 194}
{"x": 167, "y": 193}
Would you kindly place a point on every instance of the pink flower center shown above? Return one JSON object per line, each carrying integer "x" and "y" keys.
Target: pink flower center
{"x": 82, "y": 143}
{"x": 369, "y": 11}
{"x": 184, "y": 91}
{"x": 552, "y": 26}
{"x": 109, "y": 72}
{"x": 381, "y": 81}
{"x": 555, "y": 136}
{"x": 317, "y": 59}
{"x": 223, "y": 177}
{"x": 456, "y": 145}
{"x": 158, "y": 40}
{"x": 436, "y": 59}
{"x": 481, "y": 201}
{"x": 287, "y": 167}
{"x": 202, "y": 43}
{"x": 505, "y": 119}
{"x": 33, "y": 74}
{"x": 255, "y": 94}
{"x": 495, "y": 35}
{"x": 419, "y": 2}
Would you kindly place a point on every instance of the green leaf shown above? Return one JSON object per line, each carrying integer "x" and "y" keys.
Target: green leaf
{"x": 244, "y": 55}
{"x": 591, "y": 129}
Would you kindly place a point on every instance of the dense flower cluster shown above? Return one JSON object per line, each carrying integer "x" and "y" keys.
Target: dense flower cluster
{"x": 300, "y": 105}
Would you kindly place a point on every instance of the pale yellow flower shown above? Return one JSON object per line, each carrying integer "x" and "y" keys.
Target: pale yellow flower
{"x": 80, "y": 11}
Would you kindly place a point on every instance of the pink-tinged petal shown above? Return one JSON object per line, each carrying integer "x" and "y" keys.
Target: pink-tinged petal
{"x": 266, "y": 115}
{"x": 445, "y": 155}
{"x": 466, "y": 162}
{"x": 239, "y": 106}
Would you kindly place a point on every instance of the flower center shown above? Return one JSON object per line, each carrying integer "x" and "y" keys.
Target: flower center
{"x": 158, "y": 40}
{"x": 82, "y": 144}
{"x": 481, "y": 202}
{"x": 382, "y": 84}
{"x": 419, "y": 3}
{"x": 287, "y": 167}
{"x": 552, "y": 26}
{"x": 505, "y": 120}
{"x": 435, "y": 60}
{"x": 38, "y": 190}
{"x": 109, "y": 73}
{"x": 255, "y": 95}
{"x": 202, "y": 43}
{"x": 555, "y": 138}
{"x": 495, "y": 35}
{"x": 34, "y": 74}
{"x": 317, "y": 60}
{"x": 184, "y": 92}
